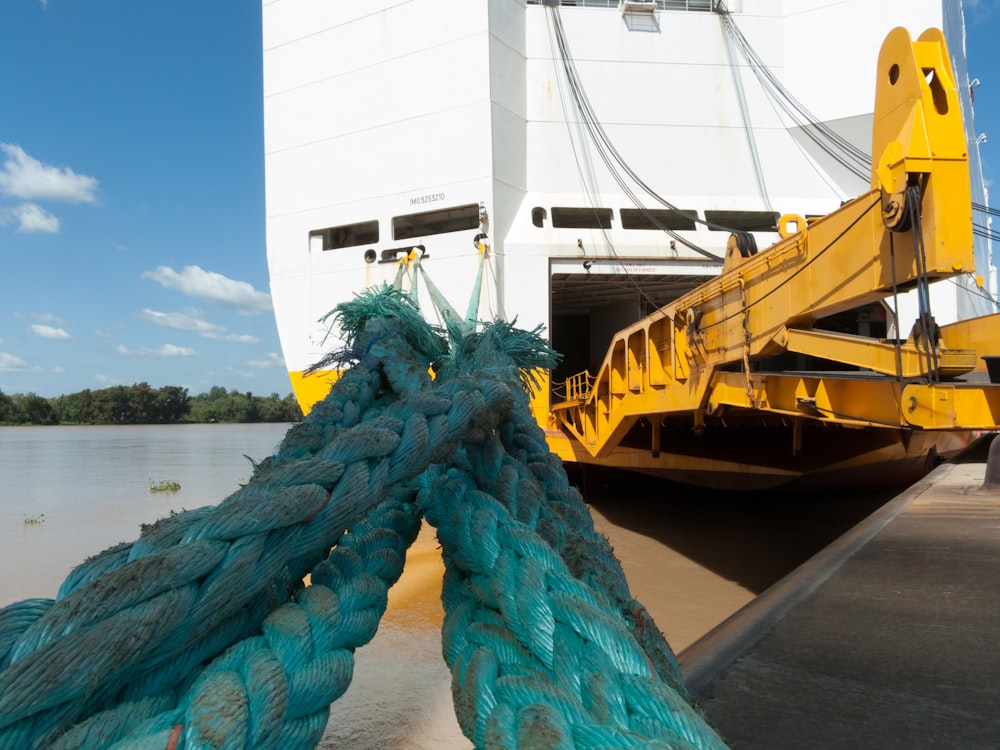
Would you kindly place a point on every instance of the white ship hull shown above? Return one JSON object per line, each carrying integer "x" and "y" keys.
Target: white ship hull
{"x": 427, "y": 124}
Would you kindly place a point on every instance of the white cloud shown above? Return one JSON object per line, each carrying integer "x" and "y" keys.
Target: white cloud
{"x": 23, "y": 176}
{"x": 10, "y": 363}
{"x": 30, "y": 218}
{"x": 47, "y": 318}
{"x": 972, "y": 6}
{"x": 194, "y": 281}
{"x": 271, "y": 360}
{"x": 236, "y": 338}
{"x": 978, "y": 11}
{"x": 192, "y": 320}
{"x": 49, "y": 332}
{"x": 167, "y": 350}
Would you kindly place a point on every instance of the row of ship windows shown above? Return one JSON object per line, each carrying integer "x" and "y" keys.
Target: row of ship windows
{"x": 703, "y": 5}
{"x": 458, "y": 218}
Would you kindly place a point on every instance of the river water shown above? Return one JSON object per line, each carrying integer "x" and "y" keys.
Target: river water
{"x": 692, "y": 557}
{"x": 87, "y": 489}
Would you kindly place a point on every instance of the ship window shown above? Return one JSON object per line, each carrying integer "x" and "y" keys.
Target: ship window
{"x": 581, "y": 218}
{"x": 538, "y": 216}
{"x": 743, "y": 221}
{"x": 704, "y": 5}
{"x": 347, "y": 235}
{"x": 657, "y": 218}
{"x": 435, "y": 222}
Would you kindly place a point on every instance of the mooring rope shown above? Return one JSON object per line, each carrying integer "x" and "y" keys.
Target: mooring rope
{"x": 200, "y": 634}
{"x": 542, "y": 654}
{"x": 274, "y": 690}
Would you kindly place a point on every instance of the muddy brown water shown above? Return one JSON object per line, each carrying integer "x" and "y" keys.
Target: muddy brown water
{"x": 692, "y": 557}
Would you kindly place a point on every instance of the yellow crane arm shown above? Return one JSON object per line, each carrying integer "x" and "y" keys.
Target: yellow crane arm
{"x": 913, "y": 227}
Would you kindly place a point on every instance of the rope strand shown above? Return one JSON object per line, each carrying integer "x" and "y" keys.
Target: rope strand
{"x": 201, "y": 633}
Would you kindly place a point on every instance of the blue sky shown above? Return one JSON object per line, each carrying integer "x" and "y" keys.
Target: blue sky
{"x": 982, "y": 27}
{"x": 132, "y": 197}
{"x": 132, "y": 194}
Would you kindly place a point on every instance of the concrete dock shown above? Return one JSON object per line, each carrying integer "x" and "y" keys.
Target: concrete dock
{"x": 889, "y": 638}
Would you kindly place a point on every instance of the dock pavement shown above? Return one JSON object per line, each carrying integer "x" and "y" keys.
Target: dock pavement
{"x": 888, "y": 638}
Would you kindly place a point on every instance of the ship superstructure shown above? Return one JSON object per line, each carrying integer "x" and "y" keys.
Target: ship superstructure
{"x": 596, "y": 155}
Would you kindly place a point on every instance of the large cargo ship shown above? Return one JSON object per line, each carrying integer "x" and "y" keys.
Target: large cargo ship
{"x": 581, "y": 164}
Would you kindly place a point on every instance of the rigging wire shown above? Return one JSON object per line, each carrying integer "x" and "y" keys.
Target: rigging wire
{"x": 980, "y": 208}
{"x": 834, "y": 145}
{"x": 610, "y": 155}
{"x": 985, "y": 209}
{"x": 897, "y": 337}
{"x": 927, "y": 323}
{"x": 840, "y": 149}
{"x": 976, "y": 290}
{"x": 987, "y": 232}
{"x": 795, "y": 273}
{"x": 587, "y": 187}
{"x": 748, "y": 131}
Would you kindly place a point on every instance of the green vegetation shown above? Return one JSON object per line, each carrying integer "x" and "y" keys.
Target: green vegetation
{"x": 164, "y": 486}
{"x": 34, "y": 520}
{"x": 141, "y": 404}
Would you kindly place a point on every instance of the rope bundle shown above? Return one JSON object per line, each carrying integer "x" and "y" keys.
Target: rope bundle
{"x": 200, "y": 635}
{"x": 547, "y": 647}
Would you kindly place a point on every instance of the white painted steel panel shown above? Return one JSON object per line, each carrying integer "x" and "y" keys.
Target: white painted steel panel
{"x": 370, "y": 106}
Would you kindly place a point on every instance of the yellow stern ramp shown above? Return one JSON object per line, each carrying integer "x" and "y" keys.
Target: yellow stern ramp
{"x": 714, "y": 389}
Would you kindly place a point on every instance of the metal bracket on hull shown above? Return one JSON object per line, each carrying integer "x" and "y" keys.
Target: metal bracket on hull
{"x": 638, "y": 6}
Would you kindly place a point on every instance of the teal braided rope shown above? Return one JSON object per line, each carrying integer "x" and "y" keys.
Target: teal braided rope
{"x": 537, "y": 493}
{"x": 274, "y": 690}
{"x": 187, "y": 638}
{"x": 543, "y": 655}
{"x": 521, "y": 471}
{"x": 356, "y": 393}
{"x": 520, "y": 630}
{"x": 213, "y": 587}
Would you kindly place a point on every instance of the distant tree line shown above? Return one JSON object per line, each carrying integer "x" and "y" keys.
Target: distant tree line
{"x": 141, "y": 404}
